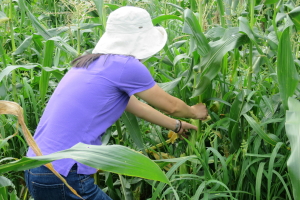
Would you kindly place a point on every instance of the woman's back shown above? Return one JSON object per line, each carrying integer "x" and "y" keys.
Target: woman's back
{"x": 86, "y": 102}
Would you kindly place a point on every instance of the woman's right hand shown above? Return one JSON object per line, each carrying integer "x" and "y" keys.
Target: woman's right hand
{"x": 200, "y": 111}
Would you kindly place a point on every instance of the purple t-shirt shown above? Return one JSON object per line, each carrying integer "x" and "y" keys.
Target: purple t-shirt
{"x": 85, "y": 103}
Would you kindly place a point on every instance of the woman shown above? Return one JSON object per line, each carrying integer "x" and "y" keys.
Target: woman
{"x": 95, "y": 93}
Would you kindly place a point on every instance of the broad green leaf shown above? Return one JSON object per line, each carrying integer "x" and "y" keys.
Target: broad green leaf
{"x": 10, "y": 68}
{"x": 221, "y": 9}
{"x": 25, "y": 44}
{"x": 176, "y": 6}
{"x": 192, "y": 26}
{"x": 219, "y": 100}
{"x": 113, "y": 158}
{"x": 162, "y": 185}
{"x": 292, "y": 127}
{"x": 259, "y": 131}
{"x": 179, "y": 57}
{"x": 295, "y": 16}
{"x": 284, "y": 183}
{"x": 168, "y": 86}
{"x": 199, "y": 191}
{"x": 211, "y": 63}
{"x": 133, "y": 128}
{"x": 235, "y": 113}
{"x": 287, "y": 74}
{"x": 4, "y": 182}
{"x": 271, "y": 167}
{"x": 5, "y": 192}
{"x": 159, "y": 19}
{"x": 215, "y": 33}
{"x": 99, "y": 6}
{"x": 245, "y": 27}
{"x": 57, "y": 31}
{"x": 125, "y": 186}
{"x": 88, "y": 25}
{"x": 223, "y": 163}
{"x": 259, "y": 176}
{"x": 47, "y": 62}
{"x": 279, "y": 17}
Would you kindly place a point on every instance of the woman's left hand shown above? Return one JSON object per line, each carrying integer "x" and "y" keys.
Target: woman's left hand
{"x": 184, "y": 129}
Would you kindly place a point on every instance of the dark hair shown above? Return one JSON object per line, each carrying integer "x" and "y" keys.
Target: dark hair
{"x": 85, "y": 60}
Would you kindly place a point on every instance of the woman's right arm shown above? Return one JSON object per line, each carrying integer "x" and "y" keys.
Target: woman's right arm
{"x": 171, "y": 105}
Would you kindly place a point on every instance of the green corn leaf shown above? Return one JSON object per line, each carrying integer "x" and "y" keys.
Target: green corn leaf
{"x": 179, "y": 8}
{"x": 245, "y": 27}
{"x": 225, "y": 179}
{"x": 5, "y": 192}
{"x": 88, "y": 25}
{"x": 215, "y": 33}
{"x": 284, "y": 184}
{"x": 10, "y": 68}
{"x": 259, "y": 131}
{"x": 47, "y": 62}
{"x": 287, "y": 74}
{"x": 258, "y": 180}
{"x": 179, "y": 57}
{"x": 171, "y": 171}
{"x": 113, "y": 158}
{"x": 25, "y": 44}
{"x": 58, "y": 30}
{"x": 169, "y": 86}
{"x": 271, "y": 166}
{"x": 199, "y": 191}
{"x": 221, "y": 9}
{"x": 235, "y": 113}
{"x": 33, "y": 99}
{"x": 159, "y": 19}
{"x": 132, "y": 126}
{"x": 292, "y": 127}
{"x": 219, "y": 100}
{"x": 4, "y": 182}
{"x": 211, "y": 63}
{"x": 295, "y": 16}
{"x": 192, "y": 26}
{"x": 99, "y": 6}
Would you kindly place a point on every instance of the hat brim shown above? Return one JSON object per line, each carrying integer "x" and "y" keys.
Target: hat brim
{"x": 140, "y": 45}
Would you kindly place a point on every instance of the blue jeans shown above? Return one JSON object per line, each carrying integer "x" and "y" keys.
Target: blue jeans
{"x": 44, "y": 185}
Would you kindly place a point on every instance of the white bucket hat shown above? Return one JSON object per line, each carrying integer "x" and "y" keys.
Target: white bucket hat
{"x": 129, "y": 31}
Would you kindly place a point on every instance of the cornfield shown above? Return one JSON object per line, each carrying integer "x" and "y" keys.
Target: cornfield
{"x": 239, "y": 57}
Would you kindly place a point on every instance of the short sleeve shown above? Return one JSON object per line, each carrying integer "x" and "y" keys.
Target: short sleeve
{"x": 135, "y": 77}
